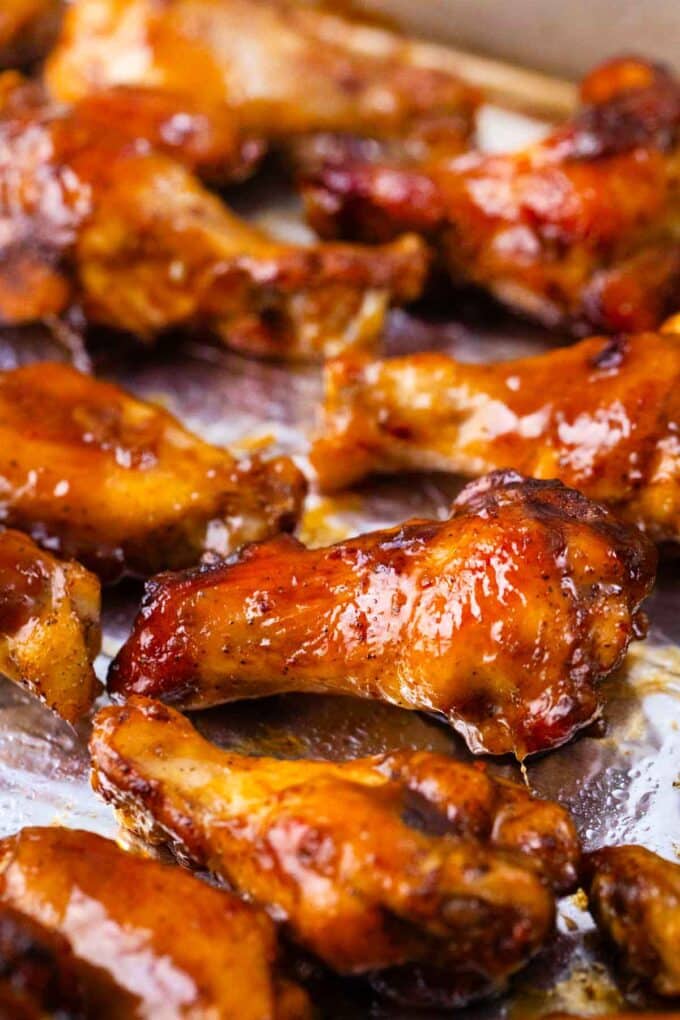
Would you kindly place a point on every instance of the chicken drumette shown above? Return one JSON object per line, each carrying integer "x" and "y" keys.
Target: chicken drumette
{"x": 49, "y": 626}
{"x": 279, "y": 70}
{"x": 581, "y": 230}
{"x": 634, "y": 896}
{"x": 148, "y": 939}
{"x": 98, "y": 210}
{"x": 503, "y": 618}
{"x": 408, "y": 866}
{"x": 115, "y": 482}
{"x": 603, "y": 416}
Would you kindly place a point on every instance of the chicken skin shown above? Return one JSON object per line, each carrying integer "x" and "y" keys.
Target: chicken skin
{"x": 280, "y": 70}
{"x": 94, "y": 216}
{"x": 580, "y": 231}
{"x": 503, "y": 618}
{"x": 94, "y": 474}
{"x": 634, "y": 896}
{"x": 27, "y": 29}
{"x": 603, "y": 416}
{"x": 38, "y": 974}
{"x": 49, "y": 626}
{"x": 403, "y": 864}
{"x": 149, "y": 939}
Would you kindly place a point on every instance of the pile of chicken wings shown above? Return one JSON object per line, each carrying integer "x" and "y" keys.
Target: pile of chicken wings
{"x": 125, "y": 125}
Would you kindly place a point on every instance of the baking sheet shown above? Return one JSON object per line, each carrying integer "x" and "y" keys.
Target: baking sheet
{"x": 620, "y": 779}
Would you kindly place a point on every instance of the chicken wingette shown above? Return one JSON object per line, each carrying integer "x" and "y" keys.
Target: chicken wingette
{"x": 503, "y": 618}
{"x": 97, "y": 213}
{"x": 580, "y": 231}
{"x": 603, "y": 416}
{"x": 149, "y": 940}
{"x": 280, "y": 70}
{"x": 408, "y": 867}
{"x": 95, "y": 474}
{"x": 49, "y": 626}
{"x": 634, "y": 896}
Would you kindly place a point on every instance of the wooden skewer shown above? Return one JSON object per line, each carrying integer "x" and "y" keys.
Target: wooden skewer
{"x": 517, "y": 88}
{"x": 504, "y": 84}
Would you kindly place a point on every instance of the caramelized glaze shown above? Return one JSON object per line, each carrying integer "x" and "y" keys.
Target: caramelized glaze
{"x": 388, "y": 864}
{"x": 27, "y": 29}
{"x": 149, "y": 939}
{"x": 634, "y": 896}
{"x": 49, "y": 626}
{"x": 98, "y": 210}
{"x": 280, "y": 69}
{"x": 503, "y": 618}
{"x": 95, "y": 474}
{"x": 603, "y": 416}
{"x": 581, "y": 230}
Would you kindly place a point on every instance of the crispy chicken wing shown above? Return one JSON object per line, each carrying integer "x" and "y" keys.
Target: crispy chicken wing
{"x": 118, "y": 483}
{"x": 150, "y": 940}
{"x": 92, "y": 214}
{"x": 378, "y": 864}
{"x": 603, "y": 416}
{"x": 503, "y": 618}
{"x": 581, "y": 230}
{"x": 38, "y": 975}
{"x": 49, "y": 625}
{"x": 634, "y": 896}
{"x": 27, "y": 29}
{"x": 279, "y": 70}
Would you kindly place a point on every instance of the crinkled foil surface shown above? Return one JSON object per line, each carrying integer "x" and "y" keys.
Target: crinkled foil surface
{"x": 620, "y": 779}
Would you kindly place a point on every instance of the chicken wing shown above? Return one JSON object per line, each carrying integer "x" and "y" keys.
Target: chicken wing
{"x": 27, "y": 29}
{"x": 603, "y": 416}
{"x": 49, "y": 626}
{"x": 91, "y": 214}
{"x": 149, "y": 939}
{"x": 95, "y": 474}
{"x": 280, "y": 70}
{"x": 375, "y": 865}
{"x": 634, "y": 896}
{"x": 503, "y": 618}
{"x": 581, "y": 230}
{"x": 38, "y": 974}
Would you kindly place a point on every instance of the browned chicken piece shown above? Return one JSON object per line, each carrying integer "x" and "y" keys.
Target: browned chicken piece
{"x": 38, "y": 974}
{"x": 27, "y": 29}
{"x": 49, "y": 625}
{"x": 281, "y": 71}
{"x": 603, "y": 416}
{"x": 581, "y": 230}
{"x": 149, "y": 939}
{"x": 95, "y": 474}
{"x": 634, "y": 896}
{"x": 408, "y": 866}
{"x": 503, "y": 618}
{"x": 92, "y": 215}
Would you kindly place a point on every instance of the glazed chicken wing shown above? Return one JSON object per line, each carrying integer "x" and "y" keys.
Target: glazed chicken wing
{"x": 603, "y": 416}
{"x": 38, "y": 974}
{"x": 93, "y": 215}
{"x": 49, "y": 626}
{"x": 150, "y": 940}
{"x": 404, "y": 864}
{"x": 503, "y": 618}
{"x": 634, "y": 896}
{"x": 118, "y": 483}
{"x": 582, "y": 230}
{"x": 279, "y": 69}
{"x": 27, "y": 29}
